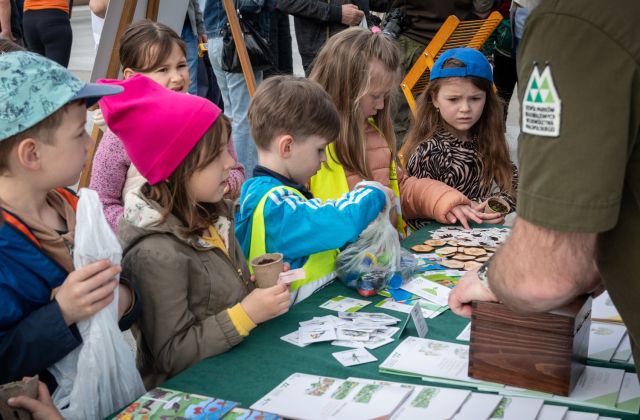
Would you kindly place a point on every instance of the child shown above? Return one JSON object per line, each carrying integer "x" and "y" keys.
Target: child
{"x": 292, "y": 120}
{"x": 359, "y": 70}
{"x": 458, "y": 133}
{"x": 155, "y": 50}
{"x": 177, "y": 232}
{"x": 43, "y": 146}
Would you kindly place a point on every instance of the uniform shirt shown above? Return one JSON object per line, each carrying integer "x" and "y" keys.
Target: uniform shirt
{"x": 579, "y": 151}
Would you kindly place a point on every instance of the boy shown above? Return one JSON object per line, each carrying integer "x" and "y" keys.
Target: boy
{"x": 292, "y": 120}
{"x": 43, "y": 146}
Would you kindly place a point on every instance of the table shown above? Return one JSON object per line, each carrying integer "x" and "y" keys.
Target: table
{"x": 257, "y": 365}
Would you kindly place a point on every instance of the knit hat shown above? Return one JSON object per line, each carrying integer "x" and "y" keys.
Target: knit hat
{"x": 33, "y": 87}
{"x": 158, "y": 127}
{"x": 475, "y": 64}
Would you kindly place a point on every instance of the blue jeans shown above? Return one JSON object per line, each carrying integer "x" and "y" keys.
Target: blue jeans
{"x": 192, "y": 57}
{"x": 236, "y": 104}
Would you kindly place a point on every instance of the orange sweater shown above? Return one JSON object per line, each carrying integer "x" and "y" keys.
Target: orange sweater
{"x": 421, "y": 198}
{"x": 46, "y": 4}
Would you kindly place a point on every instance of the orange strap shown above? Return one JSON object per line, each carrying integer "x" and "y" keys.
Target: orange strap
{"x": 70, "y": 196}
{"x": 46, "y": 4}
{"x": 16, "y": 223}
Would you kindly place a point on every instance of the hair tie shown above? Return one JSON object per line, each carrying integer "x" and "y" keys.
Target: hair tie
{"x": 375, "y": 29}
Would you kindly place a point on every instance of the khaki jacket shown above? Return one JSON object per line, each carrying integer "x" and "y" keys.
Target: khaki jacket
{"x": 420, "y": 198}
{"x": 186, "y": 287}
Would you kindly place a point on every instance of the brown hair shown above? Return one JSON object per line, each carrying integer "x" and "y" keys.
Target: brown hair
{"x": 343, "y": 69}
{"x": 40, "y": 132}
{"x": 145, "y": 45}
{"x": 173, "y": 194}
{"x": 291, "y": 105}
{"x": 492, "y": 145}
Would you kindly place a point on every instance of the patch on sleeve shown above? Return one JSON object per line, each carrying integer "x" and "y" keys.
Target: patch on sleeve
{"x": 541, "y": 105}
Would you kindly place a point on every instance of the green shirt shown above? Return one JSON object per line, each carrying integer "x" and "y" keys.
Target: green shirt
{"x": 579, "y": 77}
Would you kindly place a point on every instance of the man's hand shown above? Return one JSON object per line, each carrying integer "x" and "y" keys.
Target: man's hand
{"x": 469, "y": 289}
{"x": 351, "y": 15}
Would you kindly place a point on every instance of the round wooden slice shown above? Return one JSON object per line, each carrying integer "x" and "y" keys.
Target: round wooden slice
{"x": 483, "y": 258}
{"x": 472, "y": 265}
{"x": 463, "y": 257}
{"x": 435, "y": 242}
{"x": 490, "y": 248}
{"x": 422, "y": 248}
{"x": 476, "y": 252}
{"x": 452, "y": 242}
{"x": 452, "y": 264}
{"x": 447, "y": 250}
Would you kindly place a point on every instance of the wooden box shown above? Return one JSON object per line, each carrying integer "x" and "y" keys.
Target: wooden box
{"x": 544, "y": 352}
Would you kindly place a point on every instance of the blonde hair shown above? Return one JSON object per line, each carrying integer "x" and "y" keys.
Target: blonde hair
{"x": 343, "y": 69}
{"x": 492, "y": 144}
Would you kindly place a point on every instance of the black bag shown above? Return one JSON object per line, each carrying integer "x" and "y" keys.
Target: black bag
{"x": 258, "y": 48}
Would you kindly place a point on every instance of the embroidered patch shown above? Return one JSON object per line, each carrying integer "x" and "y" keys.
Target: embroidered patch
{"x": 541, "y": 105}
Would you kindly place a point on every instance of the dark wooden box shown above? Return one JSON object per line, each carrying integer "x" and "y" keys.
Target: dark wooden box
{"x": 544, "y": 352}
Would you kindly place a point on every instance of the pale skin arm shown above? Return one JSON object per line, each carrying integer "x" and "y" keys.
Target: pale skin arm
{"x": 536, "y": 270}
{"x": 5, "y": 20}
{"x": 99, "y": 7}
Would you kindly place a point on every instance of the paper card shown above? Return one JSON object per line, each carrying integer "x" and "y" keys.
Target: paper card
{"x": 597, "y": 386}
{"x": 442, "y": 279}
{"x": 400, "y": 295}
{"x": 316, "y": 333}
{"x": 629, "y": 397}
{"x": 378, "y": 317}
{"x": 388, "y": 332}
{"x": 604, "y": 339}
{"x": 579, "y": 415}
{"x": 324, "y": 320}
{"x": 248, "y": 414}
{"x": 552, "y": 412}
{"x": 300, "y": 394}
{"x": 349, "y": 343}
{"x": 517, "y": 408}
{"x": 354, "y": 357}
{"x": 288, "y": 277}
{"x": 375, "y": 343}
{"x": 427, "y": 402}
{"x": 352, "y": 334}
{"x": 603, "y": 309}
{"x": 623, "y": 352}
{"x": 293, "y": 338}
{"x": 391, "y": 305}
{"x": 418, "y": 321}
{"x": 478, "y": 407}
{"x": 465, "y": 334}
{"x": 344, "y": 304}
{"x": 429, "y": 290}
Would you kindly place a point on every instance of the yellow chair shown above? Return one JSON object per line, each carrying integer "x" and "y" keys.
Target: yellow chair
{"x": 452, "y": 34}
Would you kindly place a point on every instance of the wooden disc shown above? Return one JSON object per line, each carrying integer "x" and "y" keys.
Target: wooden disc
{"x": 422, "y": 248}
{"x": 475, "y": 251}
{"x": 452, "y": 264}
{"x": 463, "y": 257}
{"x": 447, "y": 250}
{"x": 435, "y": 242}
{"x": 472, "y": 265}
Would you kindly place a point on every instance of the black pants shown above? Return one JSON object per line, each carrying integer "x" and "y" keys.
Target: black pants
{"x": 48, "y": 32}
{"x": 280, "y": 39}
{"x": 505, "y": 77}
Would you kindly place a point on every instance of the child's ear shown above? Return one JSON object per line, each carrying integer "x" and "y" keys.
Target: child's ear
{"x": 28, "y": 154}
{"x": 285, "y": 145}
{"x": 127, "y": 73}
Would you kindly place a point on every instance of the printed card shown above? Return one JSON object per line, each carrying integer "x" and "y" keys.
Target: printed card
{"x": 418, "y": 321}
{"x": 465, "y": 334}
{"x": 604, "y": 339}
{"x": 354, "y": 357}
{"x": 344, "y": 304}
{"x": 316, "y": 333}
{"x": 352, "y": 334}
{"x": 629, "y": 397}
{"x": 478, "y": 407}
{"x": 552, "y": 412}
{"x": 518, "y": 408}
{"x": 429, "y": 290}
{"x": 293, "y": 338}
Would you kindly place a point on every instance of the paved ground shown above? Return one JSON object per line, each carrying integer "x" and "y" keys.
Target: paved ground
{"x": 83, "y": 55}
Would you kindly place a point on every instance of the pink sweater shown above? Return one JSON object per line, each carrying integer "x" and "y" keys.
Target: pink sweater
{"x": 109, "y": 173}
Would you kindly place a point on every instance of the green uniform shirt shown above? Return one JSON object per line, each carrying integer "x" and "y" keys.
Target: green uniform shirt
{"x": 579, "y": 152}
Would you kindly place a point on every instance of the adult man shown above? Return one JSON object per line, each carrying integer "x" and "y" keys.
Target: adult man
{"x": 579, "y": 152}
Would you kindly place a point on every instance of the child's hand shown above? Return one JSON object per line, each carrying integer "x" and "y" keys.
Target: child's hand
{"x": 263, "y": 304}
{"x": 42, "y": 408}
{"x": 492, "y": 218}
{"x": 285, "y": 267}
{"x": 87, "y": 290}
{"x": 462, "y": 214}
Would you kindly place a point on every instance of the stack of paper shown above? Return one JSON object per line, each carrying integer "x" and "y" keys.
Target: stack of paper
{"x": 603, "y": 309}
{"x": 348, "y": 329}
{"x": 605, "y": 339}
{"x": 443, "y": 362}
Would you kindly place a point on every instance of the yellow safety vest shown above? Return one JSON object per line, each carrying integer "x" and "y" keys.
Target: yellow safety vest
{"x": 330, "y": 182}
{"x": 319, "y": 266}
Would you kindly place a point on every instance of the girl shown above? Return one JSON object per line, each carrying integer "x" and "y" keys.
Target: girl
{"x": 155, "y": 50}
{"x": 458, "y": 134}
{"x": 177, "y": 232}
{"x": 359, "y": 69}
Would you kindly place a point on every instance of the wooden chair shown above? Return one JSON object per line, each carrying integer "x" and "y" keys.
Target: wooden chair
{"x": 452, "y": 34}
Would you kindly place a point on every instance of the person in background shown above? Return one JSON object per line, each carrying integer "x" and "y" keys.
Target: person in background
{"x": 193, "y": 34}
{"x": 47, "y": 29}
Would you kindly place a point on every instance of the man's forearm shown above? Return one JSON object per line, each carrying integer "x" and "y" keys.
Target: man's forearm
{"x": 539, "y": 269}
{"x": 5, "y": 16}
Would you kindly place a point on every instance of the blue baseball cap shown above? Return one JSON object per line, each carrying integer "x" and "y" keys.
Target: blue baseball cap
{"x": 475, "y": 64}
{"x": 33, "y": 87}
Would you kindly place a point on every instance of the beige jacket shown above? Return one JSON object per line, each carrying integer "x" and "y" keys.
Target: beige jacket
{"x": 420, "y": 198}
{"x": 186, "y": 287}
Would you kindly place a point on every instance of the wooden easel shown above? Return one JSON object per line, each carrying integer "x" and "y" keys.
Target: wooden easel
{"x": 113, "y": 69}
{"x": 241, "y": 48}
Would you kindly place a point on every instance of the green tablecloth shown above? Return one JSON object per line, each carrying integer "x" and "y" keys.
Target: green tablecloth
{"x": 250, "y": 370}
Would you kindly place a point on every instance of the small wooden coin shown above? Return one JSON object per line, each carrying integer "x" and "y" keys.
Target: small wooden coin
{"x": 452, "y": 242}
{"x": 452, "y": 264}
{"x": 463, "y": 257}
{"x": 483, "y": 258}
{"x": 472, "y": 265}
{"x": 475, "y": 251}
{"x": 422, "y": 248}
{"x": 435, "y": 242}
{"x": 490, "y": 248}
{"x": 447, "y": 250}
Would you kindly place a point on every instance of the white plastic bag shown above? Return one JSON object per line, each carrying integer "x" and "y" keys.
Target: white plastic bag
{"x": 369, "y": 263}
{"x": 100, "y": 376}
